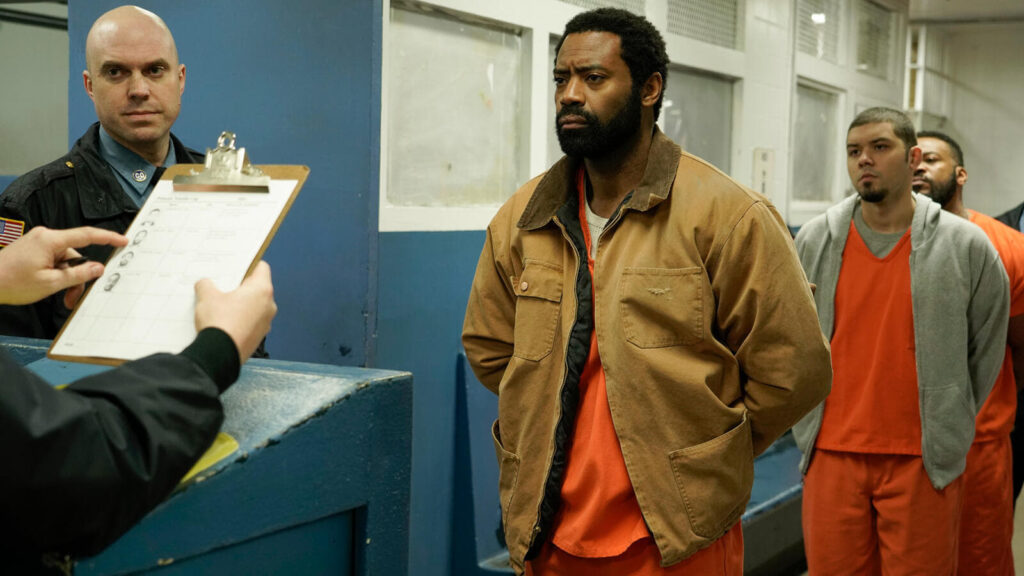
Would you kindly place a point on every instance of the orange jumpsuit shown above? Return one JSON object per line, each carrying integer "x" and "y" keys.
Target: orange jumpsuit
{"x": 600, "y": 529}
{"x": 986, "y": 524}
{"x": 869, "y": 506}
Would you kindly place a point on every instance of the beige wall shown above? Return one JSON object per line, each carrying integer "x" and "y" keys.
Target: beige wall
{"x": 985, "y": 110}
{"x": 33, "y": 93}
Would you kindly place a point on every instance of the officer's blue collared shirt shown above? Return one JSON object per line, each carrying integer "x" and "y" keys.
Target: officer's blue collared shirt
{"x": 135, "y": 174}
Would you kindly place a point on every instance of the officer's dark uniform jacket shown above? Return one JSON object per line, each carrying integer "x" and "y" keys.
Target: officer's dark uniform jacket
{"x": 77, "y": 189}
{"x": 1012, "y": 219}
{"x": 84, "y": 464}
{"x": 1012, "y": 216}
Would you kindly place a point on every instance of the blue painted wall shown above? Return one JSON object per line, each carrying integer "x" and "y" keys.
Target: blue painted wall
{"x": 299, "y": 83}
{"x": 424, "y": 285}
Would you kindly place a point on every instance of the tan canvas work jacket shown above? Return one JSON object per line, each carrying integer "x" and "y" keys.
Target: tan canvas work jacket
{"x": 707, "y": 331}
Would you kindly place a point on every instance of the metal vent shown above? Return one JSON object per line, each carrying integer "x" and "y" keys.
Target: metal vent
{"x": 818, "y": 28}
{"x": 713, "y": 21}
{"x": 634, "y": 6}
{"x": 874, "y": 38}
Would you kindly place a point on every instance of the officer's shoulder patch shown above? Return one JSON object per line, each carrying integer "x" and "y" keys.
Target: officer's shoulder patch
{"x": 10, "y": 230}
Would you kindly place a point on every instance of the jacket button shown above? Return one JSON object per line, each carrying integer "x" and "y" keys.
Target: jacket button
{"x": 523, "y": 286}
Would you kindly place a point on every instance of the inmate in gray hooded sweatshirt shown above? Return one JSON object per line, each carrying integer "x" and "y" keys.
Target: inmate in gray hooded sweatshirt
{"x": 961, "y": 300}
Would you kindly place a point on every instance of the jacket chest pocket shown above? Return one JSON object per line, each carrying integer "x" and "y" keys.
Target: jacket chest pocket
{"x": 538, "y": 306}
{"x": 662, "y": 307}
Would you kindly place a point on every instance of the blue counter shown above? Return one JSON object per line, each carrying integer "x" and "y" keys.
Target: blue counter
{"x": 318, "y": 484}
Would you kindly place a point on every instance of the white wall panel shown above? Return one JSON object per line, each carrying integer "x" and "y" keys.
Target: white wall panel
{"x": 33, "y": 95}
{"x": 986, "y": 113}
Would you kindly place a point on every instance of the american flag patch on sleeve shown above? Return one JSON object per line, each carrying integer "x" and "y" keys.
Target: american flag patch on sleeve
{"x": 10, "y": 230}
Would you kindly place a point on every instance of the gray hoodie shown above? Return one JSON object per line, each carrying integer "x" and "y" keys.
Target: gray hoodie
{"x": 960, "y": 296}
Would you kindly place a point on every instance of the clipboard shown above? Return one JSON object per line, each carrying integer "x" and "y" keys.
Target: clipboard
{"x": 214, "y": 227}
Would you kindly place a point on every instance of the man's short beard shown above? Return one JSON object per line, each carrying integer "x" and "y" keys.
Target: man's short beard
{"x": 942, "y": 193}
{"x": 598, "y": 139}
{"x": 873, "y": 196}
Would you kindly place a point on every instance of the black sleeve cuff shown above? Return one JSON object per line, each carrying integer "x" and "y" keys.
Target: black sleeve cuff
{"x": 216, "y": 354}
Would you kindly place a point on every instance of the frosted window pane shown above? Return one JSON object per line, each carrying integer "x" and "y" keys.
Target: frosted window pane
{"x": 554, "y": 150}
{"x": 818, "y": 29}
{"x": 698, "y": 115}
{"x": 814, "y": 160}
{"x": 874, "y": 29}
{"x": 454, "y": 112}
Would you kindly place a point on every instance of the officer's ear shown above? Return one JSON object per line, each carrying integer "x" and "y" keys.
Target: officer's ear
{"x": 87, "y": 82}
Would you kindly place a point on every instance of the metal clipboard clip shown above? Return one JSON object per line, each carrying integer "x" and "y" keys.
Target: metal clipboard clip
{"x": 227, "y": 169}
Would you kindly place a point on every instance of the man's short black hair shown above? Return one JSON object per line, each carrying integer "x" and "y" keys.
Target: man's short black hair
{"x": 900, "y": 122}
{"x": 958, "y": 154}
{"x": 643, "y": 48}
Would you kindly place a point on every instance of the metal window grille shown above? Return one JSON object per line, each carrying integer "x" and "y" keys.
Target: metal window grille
{"x": 818, "y": 26}
{"x": 716, "y": 22}
{"x": 874, "y": 38}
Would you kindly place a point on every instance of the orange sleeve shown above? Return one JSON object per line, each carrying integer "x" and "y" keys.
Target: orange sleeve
{"x": 1010, "y": 245}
